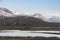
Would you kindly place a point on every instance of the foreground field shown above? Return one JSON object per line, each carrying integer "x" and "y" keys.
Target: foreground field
{"x": 28, "y": 28}
{"x": 27, "y": 38}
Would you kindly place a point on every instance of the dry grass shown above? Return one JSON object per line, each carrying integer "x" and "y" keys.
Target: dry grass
{"x": 27, "y": 38}
{"x": 28, "y": 28}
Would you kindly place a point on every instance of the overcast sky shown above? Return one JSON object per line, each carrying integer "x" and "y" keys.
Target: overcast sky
{"x": 45, "y": 7}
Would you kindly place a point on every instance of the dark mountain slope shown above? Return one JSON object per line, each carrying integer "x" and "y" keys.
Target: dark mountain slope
{"x": 25, "y": 21}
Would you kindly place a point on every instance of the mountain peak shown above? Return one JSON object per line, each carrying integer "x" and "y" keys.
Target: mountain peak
{"x": 5, "y": 12}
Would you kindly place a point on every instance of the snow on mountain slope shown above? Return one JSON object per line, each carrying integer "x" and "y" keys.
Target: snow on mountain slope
{"x": 54, "y": 19}
{"x": 5, "y": 12}
{"x": 38, "y": 15}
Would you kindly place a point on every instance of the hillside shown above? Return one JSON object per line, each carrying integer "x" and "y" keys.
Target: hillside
{"x": 25, "y": 21}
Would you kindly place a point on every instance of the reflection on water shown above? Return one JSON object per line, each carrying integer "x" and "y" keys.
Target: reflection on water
{"x": 20, "y": 33}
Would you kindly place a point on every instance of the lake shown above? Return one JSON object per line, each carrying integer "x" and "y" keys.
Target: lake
{"x": 20, "y": 33}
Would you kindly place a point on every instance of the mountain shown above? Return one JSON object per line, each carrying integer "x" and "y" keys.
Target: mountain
{"x": 10, "y": 21}
{"x": 38, "y": 15}
{"x": 5, "y": 12}
{"x": 54, "y": 19}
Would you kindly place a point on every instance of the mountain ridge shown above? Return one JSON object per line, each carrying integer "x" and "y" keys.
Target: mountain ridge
{"x": 27, "y": 21}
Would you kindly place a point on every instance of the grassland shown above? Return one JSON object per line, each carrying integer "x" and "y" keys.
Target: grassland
{"x": 28, "y": 38}
{"x": 28, "y": 28}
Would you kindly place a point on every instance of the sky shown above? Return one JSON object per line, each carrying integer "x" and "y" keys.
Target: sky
{"x": 45, "y": 7}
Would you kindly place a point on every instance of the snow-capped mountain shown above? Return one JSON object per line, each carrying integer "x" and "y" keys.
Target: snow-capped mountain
{"x": 38, "y": 15}
{"x": 54, "y": 19}
{"x": 5, "y": 12}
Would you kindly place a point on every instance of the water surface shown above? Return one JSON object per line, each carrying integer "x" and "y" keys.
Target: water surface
{"x": 20, "y": 33}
